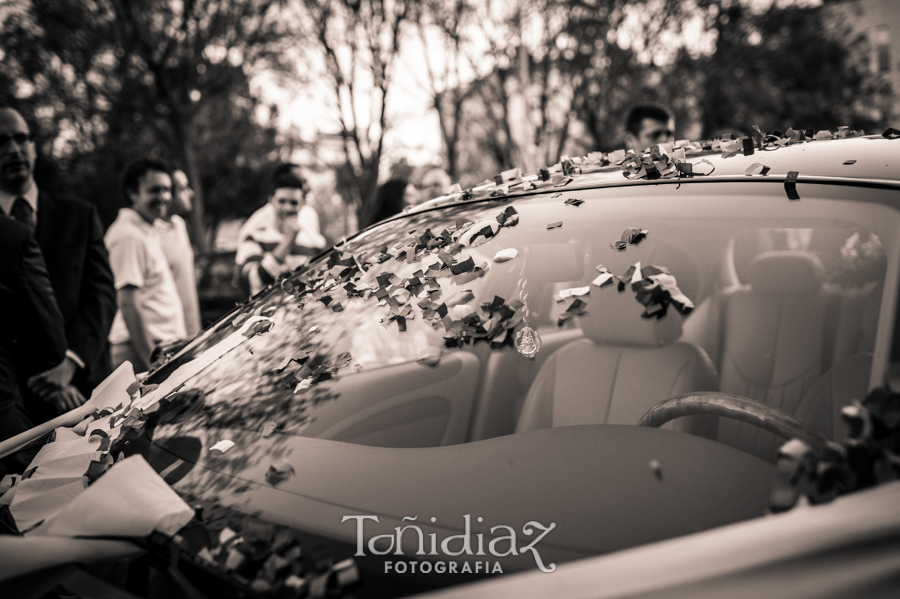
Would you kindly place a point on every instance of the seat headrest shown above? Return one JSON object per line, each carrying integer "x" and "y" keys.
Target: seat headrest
{"x": 787, "y": 271}
{"x": 614, "y": 318}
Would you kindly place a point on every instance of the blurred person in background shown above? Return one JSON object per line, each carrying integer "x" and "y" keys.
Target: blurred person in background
{"x": 393, "y": 197}
{"x": 176, "y": 244}
{"x": 149, "y": 307}
{"x": 434, "y": 183}
{"x": 648, "y": 125}
{"x": 70, "y": 237}
{"x": 280, "y": 236}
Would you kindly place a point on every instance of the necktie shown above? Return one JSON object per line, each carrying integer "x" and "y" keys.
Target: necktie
{"x": 22, "y": 212}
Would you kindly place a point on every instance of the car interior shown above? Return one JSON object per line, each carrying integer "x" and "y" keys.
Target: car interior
{"x": 786, "y": 317}
{"x": 773, "y": 330}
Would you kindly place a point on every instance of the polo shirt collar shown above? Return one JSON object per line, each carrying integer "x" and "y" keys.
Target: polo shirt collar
{"x": 131, "y": 216}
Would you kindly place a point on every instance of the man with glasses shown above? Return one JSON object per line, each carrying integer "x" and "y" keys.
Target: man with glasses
{"x": 281, "y": 235}
{"x": 648, "y": 125}
{"x": 70, "y": 237}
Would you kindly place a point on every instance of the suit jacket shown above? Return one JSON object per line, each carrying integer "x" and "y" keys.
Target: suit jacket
{"x": 31, "y": 326}
{"x": 71, "y": 240}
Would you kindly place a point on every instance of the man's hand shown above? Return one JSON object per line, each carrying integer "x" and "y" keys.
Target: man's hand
{"x": 66, "y": 399}
{"x": 291, "y": 228}
{"x": 57, "y": 378}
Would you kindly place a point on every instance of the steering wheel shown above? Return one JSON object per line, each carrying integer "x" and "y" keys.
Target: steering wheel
{"x": 713, "y": 403}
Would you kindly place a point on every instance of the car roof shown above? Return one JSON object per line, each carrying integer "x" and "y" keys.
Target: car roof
{"x": 860, "y": 160}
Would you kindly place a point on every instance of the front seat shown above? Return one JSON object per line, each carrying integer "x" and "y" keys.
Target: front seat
{"x": 623, "y": 366}
{"x": 772, "y": 347}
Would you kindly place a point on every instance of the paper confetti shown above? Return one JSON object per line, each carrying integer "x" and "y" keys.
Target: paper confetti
{"x": 757, "y": 169}
{"x": 631, "y": 235}
{"x": 506, "y": 255}
{"x": 221, "y": 447}
{"x": 790, "y": 185}
{"x": 430, "y": 356}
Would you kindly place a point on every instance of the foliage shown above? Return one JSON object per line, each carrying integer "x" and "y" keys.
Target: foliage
{"x": 513, "y": 83}
{"x": 785, "y": 66}
{"x": 549, "y": 78}
{"x": 357, "y": 43}
{"x": 109, "y": 81}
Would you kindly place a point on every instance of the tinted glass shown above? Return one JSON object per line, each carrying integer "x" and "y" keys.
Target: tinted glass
{"x": 406, "y": 337}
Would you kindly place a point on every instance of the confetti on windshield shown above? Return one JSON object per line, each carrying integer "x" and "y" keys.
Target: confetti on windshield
{"x": 460, "y": 297}
{"x": 576, "y": 307}
{"x": 221, "y": 447}
{"x": 555, "y": 225}
{"x": 574, "y": 292}
{"x": 574, "y": 202}
{"x": 506, "y": 255}
{"x": 631, "y": 235}
{"x": 605, "y": 278}
{"x": 509, "y": 217}
{"x": 657, "y": 290}
{"x": 240, "y": 319}
{"x": 278, "y": 471}
{"x": 268, "y": 427}
{"x": 654, "y": 288}
{"x": 479, "y": 233}
{"x": 259, "y": 328}
{"x": 430, "y": 356}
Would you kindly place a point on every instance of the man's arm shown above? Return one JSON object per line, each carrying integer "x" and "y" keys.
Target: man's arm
{"x": 43, "y": 338}
{"x": 87, "y": 330}
{"x": 134, "y": 322}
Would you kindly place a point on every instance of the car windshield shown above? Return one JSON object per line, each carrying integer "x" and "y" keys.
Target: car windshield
{"x": 418, "y": 332}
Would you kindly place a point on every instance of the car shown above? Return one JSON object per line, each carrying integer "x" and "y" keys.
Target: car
{"x": 663, "y": 374}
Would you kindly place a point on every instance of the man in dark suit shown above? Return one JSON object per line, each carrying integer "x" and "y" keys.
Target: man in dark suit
{"x": 71, "y": 241}
{"x": 31, "y": 330}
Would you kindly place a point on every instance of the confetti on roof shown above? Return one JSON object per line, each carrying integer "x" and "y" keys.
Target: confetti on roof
{"x": 757, "y": 169}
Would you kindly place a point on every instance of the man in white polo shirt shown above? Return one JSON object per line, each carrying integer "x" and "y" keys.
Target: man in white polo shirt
{"x": 150, "y": 310}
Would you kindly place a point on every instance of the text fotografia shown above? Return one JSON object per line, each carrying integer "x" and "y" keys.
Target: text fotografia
{"x": 502, "y": 542}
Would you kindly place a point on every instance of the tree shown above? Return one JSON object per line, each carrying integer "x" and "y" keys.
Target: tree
{"x": 784, "y": 66}
{"x": 355, "y": 44}
{"x": 546, "y": 77}
{"x": 110, "y": 80}
{"x": 440, "y": 29}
